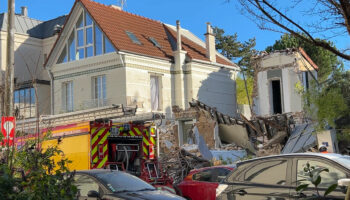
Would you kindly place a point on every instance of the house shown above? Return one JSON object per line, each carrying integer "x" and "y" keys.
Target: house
{"x": 105, "y": 56}
{"x": 33, "y": 41}
{"x": 278, "y": 76}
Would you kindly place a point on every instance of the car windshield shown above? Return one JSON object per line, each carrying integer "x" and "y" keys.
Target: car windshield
{"x": 343, "y": 160}
{"x": 123, "y": 182}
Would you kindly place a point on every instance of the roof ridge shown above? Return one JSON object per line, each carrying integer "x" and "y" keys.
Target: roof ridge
{"x": 129, "y": 13}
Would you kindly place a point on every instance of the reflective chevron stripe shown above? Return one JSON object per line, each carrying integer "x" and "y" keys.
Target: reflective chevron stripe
{"x": 99, "y": 135}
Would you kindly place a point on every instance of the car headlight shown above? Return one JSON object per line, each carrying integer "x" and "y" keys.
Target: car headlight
{"x": 220, "y": 189}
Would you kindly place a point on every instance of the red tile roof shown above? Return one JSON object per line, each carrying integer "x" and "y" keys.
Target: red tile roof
{"x": 115, "y": 22}
{"x": 304, "y": 54}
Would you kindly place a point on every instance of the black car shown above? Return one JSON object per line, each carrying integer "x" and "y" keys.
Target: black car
{"x": 277, "y": 177}
{"x": 107, "y": 184}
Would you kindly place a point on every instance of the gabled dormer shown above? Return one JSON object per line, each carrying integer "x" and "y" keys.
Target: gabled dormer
{"x": 85, "y": 40}
{"x": 80, "y": 38}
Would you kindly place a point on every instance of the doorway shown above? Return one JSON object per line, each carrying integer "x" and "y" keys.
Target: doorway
{"x": 276, "y": 96}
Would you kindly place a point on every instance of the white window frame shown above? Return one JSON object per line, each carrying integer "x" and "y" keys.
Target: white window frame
{"x": 68, "y": 96}
{"x": 99, "y": 83}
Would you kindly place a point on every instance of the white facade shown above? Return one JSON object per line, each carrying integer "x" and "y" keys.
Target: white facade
{"x": 29, "y": 56}
{"x": 138, "y": 80}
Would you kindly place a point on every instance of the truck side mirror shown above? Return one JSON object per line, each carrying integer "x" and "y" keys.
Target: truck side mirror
{"x": 94, "y": 194}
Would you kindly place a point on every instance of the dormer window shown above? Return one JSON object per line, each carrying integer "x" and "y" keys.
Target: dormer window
{"x": 86, "y": 40}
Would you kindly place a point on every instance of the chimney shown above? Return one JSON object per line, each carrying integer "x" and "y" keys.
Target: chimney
{"x": 178, "y": 29}
{"x": 210, "y": 43}
{"x": 24, "y": 11}
{"x": 116, "y": 7}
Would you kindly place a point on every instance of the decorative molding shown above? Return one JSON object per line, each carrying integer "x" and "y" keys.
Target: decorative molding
{"x": 87, "y": 72}
{"x": 151, "y": 69}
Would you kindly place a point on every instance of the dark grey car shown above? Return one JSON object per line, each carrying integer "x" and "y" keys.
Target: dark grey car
{"x": 111, "y": 185}
{"x": 276, "y": 177}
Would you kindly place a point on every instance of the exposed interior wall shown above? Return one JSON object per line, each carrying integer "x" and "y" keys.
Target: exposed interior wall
{"x": 288, "y": 67}
{"x": 215, "y": 87}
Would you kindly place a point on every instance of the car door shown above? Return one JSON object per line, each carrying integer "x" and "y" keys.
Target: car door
{"x": 327, "y": 178}
{"x": 267, "y": 179}
{"x": 86, "y": 183}
{"x": 202, "y": 185}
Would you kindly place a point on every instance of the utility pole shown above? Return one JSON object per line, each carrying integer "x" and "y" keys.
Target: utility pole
{"x": 9, "y": 74}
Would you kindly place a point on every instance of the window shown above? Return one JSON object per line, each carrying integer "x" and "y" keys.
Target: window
{"x": 24, "y": 101}
{"x": 98, "y": 41}
{"x": 271, "y": 172}
{"x": 85, "y": 184}
{"x": 327, "y": 178}
{"x": 133, "y": 38}
{"x": 67, "y": 96}
{"x": 155, "y": 42}
{"x": 211, "y": 175}
{"x": 86, "y": 40}
{"x": 99, "y": 90}
{"x": 155, "y": 93}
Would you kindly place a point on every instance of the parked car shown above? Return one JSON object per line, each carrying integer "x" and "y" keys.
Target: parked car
{"x": 201, "y": 184}
{"x": 277, "y": 177}
{"x": 107, "y": 184}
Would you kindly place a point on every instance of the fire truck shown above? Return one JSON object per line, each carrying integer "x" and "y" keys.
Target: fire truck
{"x": 129, "y": 146}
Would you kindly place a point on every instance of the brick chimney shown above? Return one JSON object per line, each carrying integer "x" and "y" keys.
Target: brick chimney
{"x": 210, "y": 43}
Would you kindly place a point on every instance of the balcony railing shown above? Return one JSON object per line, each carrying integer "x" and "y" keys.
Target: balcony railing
{"x": 96, "y": 103}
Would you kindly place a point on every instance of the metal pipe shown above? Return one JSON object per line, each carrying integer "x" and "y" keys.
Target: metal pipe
{"x": 52, "y": 110}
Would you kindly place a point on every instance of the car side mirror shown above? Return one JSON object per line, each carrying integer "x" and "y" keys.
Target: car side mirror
{"x": 93, "y": 193}
{"x": 344, "y": 184}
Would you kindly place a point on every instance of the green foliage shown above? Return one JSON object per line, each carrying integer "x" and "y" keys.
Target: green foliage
{"x": 231, "y": 48}
{"x": 314, "y": 177}
{"x": 329, "y": 103}
{"x": 241, "y": 92}
{"x": 35, "y": 175}
{"x": 325, "y": 60}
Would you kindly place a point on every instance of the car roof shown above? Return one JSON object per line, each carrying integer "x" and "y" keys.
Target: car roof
{"x": 330, "y": 156}
{"x": 98, "y": 171}
{"x": 230, "y": 167}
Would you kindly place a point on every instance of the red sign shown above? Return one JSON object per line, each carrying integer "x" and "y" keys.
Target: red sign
{"x": 8, "y": 128}
{"x": 151, "y": 151}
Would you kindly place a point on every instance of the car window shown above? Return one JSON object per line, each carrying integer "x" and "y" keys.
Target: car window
{"x": 269, "y": 172}
{"x": 327, "y": 178}
{"x": 211, "y": 175}
{"x": 85, "y": 183}
{"x": 121, "y": 181}
{"x": 204, "y": 175}
{"x": 222, "y": 173}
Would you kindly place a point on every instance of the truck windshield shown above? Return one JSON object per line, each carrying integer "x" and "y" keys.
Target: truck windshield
{"x": 123, "y": 182}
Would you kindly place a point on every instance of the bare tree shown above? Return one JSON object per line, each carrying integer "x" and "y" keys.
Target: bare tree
{"x": 305, "y": 19}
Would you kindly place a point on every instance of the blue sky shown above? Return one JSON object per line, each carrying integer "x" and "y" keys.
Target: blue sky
{"x": 193, "y": 15}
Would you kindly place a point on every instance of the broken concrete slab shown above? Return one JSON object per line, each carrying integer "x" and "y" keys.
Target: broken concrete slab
{"x": 236, "y": 134}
